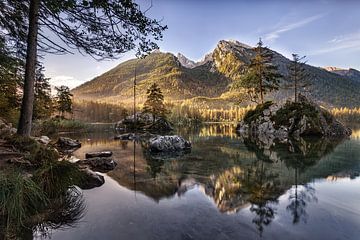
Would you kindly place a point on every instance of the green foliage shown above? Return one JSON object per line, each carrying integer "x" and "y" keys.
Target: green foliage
{"x": 43, "y": 103}
{"x": 10, "y": 81}
{"x": 20, "y": 197}
{"x": 53, "y": 126}
{"x": 63, "y": 100}
{"x": 55, "y": 177}
{"x": 252, "y": 115}
{"x": 154, "y": 103}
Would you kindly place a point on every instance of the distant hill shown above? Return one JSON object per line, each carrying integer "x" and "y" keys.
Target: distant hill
{"x": 209, "y": 79}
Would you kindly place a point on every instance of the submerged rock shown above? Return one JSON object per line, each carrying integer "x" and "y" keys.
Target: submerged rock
{"x": 125, "y": 136}
{"x": 100, "y": 164}
{"x": 98, "y": 154}
{"x": 168, "y": 144}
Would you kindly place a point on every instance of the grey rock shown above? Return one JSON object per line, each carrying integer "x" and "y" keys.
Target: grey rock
{"x": 68, "y": 143}
{"x": 168, "y": 143}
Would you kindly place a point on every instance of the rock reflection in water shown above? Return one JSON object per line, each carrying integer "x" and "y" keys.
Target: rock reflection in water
{"x": 237, "y": 174}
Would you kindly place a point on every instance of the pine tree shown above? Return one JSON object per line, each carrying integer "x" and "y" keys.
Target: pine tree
{"x": 154, "y": 103}
{"x": 261, "y": 77}
{"x": 43, "y": 103}
{"x": 63, "y": 100}
{"x": 299, "y": 78}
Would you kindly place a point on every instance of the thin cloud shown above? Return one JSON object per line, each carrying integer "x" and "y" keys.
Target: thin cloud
{"x": 349, "y": 41}
{"x": 272, "y": 36}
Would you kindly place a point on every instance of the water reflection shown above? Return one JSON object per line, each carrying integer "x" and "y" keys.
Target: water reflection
{"x": 63, "y": 212}
{"x": 237, "y": 174}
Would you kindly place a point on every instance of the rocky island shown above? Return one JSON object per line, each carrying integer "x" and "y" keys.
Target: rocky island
{"x": 270, "y": 121}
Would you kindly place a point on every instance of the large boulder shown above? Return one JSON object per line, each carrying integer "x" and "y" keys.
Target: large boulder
{"x": 168, "y": 143}
{"x": 292, "y": 119}
{"x": 100, "y": 164}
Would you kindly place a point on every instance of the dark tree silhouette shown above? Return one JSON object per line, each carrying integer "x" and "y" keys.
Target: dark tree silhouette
{"x": 63, "y": 100}
{"x": 154, "y": 103}
{"x": 298, "y": 75}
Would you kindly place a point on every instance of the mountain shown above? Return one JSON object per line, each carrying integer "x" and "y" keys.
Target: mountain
{"x": 208, "y": 80}
{"x": 176, "y": 81}
{"x": 351, "y": 73}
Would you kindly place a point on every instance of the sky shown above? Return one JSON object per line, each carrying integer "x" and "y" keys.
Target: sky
{"x": 327, "y": 32}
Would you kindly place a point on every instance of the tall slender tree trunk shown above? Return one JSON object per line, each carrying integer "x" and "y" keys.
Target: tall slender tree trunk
{"x": 27, "y": 105}
{"x": 296, "y": 89}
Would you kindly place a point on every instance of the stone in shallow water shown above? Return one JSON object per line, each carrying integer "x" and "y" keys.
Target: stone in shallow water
{"x": 101, "y": 164}
{"x": 168, "y": 144}
{"x": 98, "y": 154}
{"x": 91, "y": 180}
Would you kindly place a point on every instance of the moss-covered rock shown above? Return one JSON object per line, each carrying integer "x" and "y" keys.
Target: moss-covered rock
{"x": 269, "y": 121}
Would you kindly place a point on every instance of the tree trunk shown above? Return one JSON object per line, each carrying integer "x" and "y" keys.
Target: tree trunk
{"x": 27, "y": 105}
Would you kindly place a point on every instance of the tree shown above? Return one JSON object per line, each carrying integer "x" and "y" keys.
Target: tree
{"x": 102, "y": 29}
{"x": 43, "y": 103}
{"x": 63, "y": 100}
{"x": 298, "y": 75}
{"x": 154, "y": 103}
{"x": 10, "y": 82}
{"x": 261, "y": 76}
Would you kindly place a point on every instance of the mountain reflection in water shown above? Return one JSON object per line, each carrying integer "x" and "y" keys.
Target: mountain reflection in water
{"x": 258, "y": 183}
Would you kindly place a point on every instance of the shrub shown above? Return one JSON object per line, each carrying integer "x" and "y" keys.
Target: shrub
{"x": 20, "y": 197}
{"x": 55, "y": 177}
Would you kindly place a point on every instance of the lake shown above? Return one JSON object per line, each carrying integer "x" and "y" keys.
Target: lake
{"x": 226, "y": 188}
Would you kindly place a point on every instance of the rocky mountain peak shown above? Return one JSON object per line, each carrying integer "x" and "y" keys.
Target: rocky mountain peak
{"x": 185, "y": 62}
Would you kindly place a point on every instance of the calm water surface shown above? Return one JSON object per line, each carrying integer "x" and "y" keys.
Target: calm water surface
{"x": 226, "y": 188}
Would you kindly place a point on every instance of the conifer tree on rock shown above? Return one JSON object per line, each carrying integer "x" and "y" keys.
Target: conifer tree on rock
{"x": 298, "y": 76}
{"x": 154, "y": 103}
{"x": 261, "y": 77}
